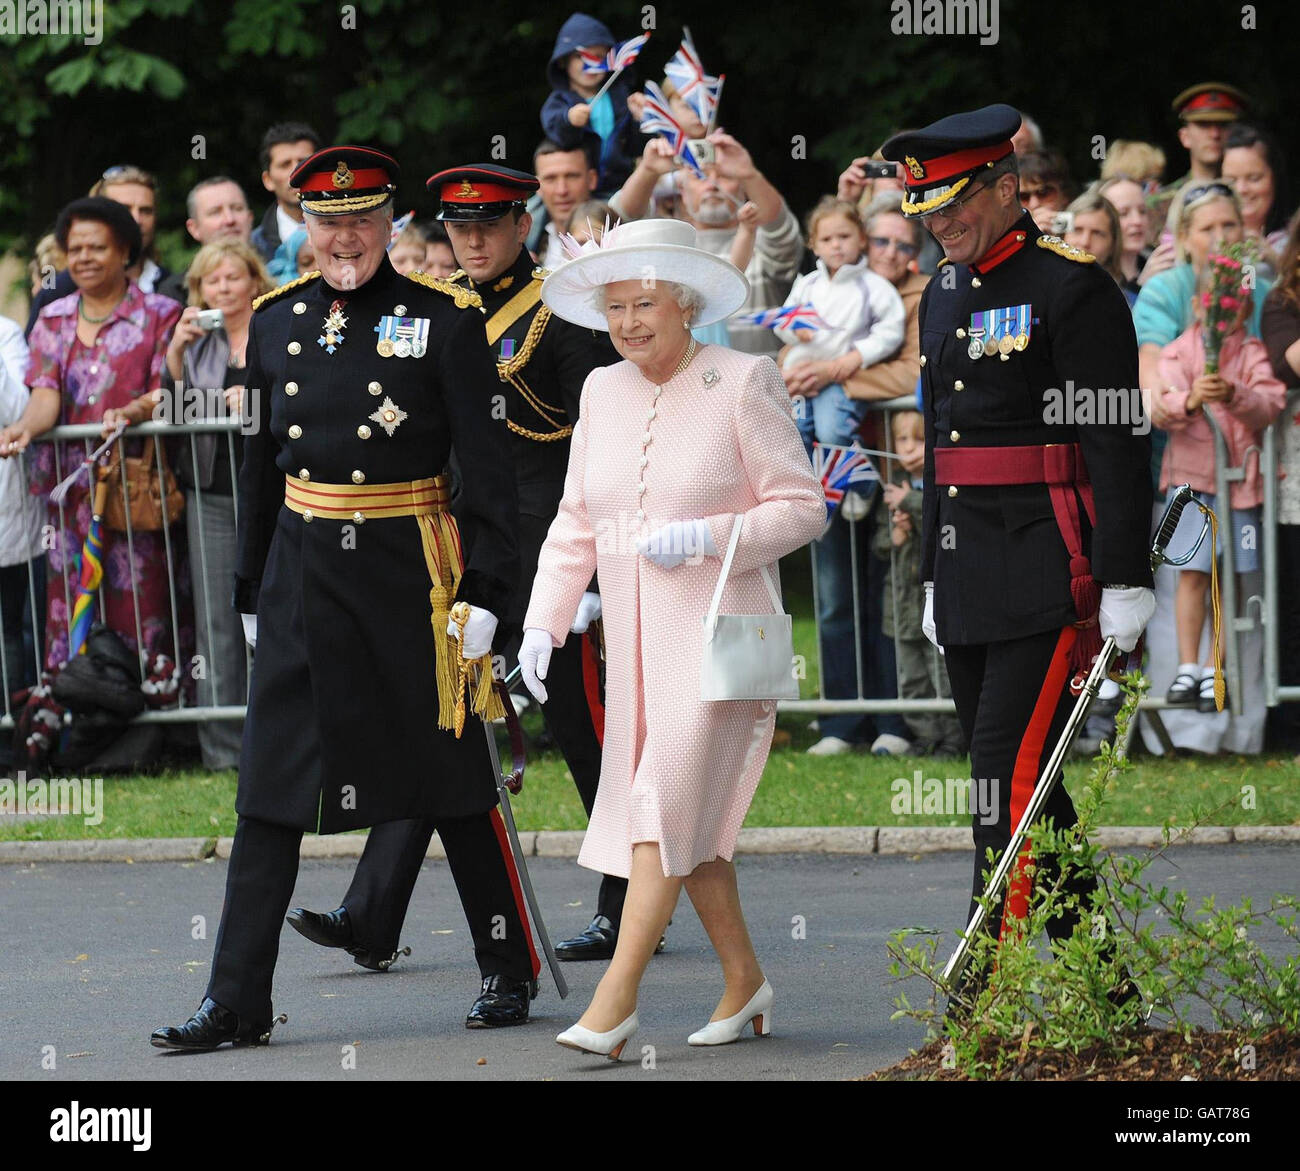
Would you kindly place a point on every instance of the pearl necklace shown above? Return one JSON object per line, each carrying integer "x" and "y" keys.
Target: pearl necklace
{"x": 686, "y": 360}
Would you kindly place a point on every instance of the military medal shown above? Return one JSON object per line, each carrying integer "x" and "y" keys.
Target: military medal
{"x": 976, "y": 347}
{"x": 402, "y": 337}
{"x": 1021, "y": 343}
{"x": 389, "y": 415}
{"x": 1006, "y": 343}
{"x": 978, "y": 328}
{"x": 332, "y": 331}
{"x": 990, "y": 347}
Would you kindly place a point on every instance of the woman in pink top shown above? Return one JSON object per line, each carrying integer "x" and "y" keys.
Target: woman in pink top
{"x": 672, "y": 445}
{"x": 1244, "y": 397}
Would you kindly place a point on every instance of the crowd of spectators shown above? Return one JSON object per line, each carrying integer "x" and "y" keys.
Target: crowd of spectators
{"x": 110, "y": 326}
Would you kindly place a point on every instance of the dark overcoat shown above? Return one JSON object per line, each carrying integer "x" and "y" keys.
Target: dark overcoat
{"x": 342, "y": 727}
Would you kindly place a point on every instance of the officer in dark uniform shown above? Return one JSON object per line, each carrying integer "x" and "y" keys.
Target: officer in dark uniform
{"x": 361, "y": 382}
{"x": 1036, "y": 515}
{"x": 542, "y": 364}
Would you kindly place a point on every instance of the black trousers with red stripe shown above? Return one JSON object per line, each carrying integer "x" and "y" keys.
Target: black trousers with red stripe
{"x": 385, "y": 876}
{"x": 259, "y": 885}
{"x": 1013, "y": 700}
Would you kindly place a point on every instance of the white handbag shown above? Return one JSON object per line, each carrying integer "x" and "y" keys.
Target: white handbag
{"x": 747, "y": 656}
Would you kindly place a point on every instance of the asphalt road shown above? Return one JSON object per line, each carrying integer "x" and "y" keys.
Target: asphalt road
{"x": 94, "y": 956}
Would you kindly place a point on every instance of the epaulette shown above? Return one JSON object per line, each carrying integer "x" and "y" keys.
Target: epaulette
{"x": 1069, "y": 251}
{"x": 275, "y": 294}
{"x": 464, "y": 298}
{"x": 540, "y": 273}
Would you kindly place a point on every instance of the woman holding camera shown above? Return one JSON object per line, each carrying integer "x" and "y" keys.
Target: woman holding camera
{"x": 206, "y": 362}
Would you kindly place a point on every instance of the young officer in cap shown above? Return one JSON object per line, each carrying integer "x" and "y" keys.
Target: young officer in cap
{"x": 361, "y": 382}
{"x": 542, "y": 363}
{"x": 1206, "y": 113}
{"x": 1035, "y": 530}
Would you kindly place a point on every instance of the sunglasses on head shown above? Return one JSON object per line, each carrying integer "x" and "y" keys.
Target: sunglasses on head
{"x": 883, "y": 242}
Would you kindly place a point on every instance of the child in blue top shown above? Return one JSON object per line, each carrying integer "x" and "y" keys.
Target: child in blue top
{"x": 567, "y": 116}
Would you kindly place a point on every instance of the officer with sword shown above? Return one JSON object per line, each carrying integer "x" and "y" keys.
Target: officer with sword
{"x": 361, "y": 382}
{"x": 1035, "y": 530}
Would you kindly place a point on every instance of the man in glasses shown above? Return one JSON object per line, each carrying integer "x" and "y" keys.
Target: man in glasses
{"x": 1034, "y": 535}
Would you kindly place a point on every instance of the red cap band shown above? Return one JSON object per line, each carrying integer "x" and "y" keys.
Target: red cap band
{"x": 463, "y": 191}
{"x": 935, "y": 171}
{"x": 1213, "y": 99}
{"x": 362, "y": 180}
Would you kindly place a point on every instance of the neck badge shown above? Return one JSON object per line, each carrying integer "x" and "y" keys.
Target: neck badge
{"x": 332, "y": 331}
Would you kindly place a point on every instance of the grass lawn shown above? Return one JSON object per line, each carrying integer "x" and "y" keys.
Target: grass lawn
{"x": 797, "y": 789}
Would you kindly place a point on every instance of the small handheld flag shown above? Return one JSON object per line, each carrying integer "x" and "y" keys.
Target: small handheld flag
{"x": 657, "y": 118}
{"x": 842, "y": 468}
{"x": 399, "y": 226}
{"x": 802, "y": 316}
{"x": 696, "y": 88}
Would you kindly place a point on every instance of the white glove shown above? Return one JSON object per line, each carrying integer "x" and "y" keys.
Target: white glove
{"x": 535, "y": 660}
{"x": 588, "y": 612}
{"x": 1125, "y": 614}
{"x": 927, "y": 617}
{"x": 677, "y": 541}
{"x": 250, "y": 628}
{"x": 479, "y": 630}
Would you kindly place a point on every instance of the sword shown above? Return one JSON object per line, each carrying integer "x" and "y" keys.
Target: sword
{"x": 1178, "y": 500}
{"x": 508, "y": 783}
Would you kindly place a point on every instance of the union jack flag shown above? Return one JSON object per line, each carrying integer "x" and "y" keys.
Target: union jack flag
{"x": 616, "y": 60}
{"x": 785, "y": 317}
{"x": 657, "y": 118}
{"x": 399, "y": 225}
{"x": 695, "y": 87}
{"x": 842, "y": 468}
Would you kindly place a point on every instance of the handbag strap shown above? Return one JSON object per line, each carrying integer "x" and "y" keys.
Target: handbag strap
{"x": 726, "y": 571}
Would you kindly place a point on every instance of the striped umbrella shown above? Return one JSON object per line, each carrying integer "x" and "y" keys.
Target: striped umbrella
{"x": 92, "y": 573}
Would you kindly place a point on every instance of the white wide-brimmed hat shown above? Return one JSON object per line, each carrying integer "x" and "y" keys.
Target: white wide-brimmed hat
{"x": 658, "y": 249}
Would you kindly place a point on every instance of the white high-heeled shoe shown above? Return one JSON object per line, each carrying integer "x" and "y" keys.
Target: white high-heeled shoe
{"x": 723, "y": 1032}
{"x": 608, "y": 1044}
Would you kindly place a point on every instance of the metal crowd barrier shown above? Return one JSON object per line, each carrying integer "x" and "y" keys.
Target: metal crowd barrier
{"x": 89, "y": 436}
{"x": 1266, "y": 606}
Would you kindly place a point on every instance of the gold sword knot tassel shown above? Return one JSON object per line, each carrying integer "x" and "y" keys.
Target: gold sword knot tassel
{"x": 460, "y": 616}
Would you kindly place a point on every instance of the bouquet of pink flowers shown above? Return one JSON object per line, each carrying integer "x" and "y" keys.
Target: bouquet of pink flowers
{"x": 1230, "y": 283}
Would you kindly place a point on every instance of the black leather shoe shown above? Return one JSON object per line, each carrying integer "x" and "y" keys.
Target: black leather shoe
{"x": 334, "y": 929}
{"x": 213, "y": 1026}
{"x": 596, "y": 943}
{"x": 503, "y": 1001}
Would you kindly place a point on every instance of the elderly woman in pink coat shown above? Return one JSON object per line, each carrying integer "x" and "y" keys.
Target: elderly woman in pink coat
{"x": 672, "y": 445}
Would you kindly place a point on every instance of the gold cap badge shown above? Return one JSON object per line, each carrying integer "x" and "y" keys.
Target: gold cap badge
{"x": 468, "y": 192}
{"x": 342, "y": 176}
{"x": 918, "y": 171}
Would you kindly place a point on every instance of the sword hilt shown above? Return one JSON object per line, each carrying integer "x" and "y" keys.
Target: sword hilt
{"x": 1178, "y": 499}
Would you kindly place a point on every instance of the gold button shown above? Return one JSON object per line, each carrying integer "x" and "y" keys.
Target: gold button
{"x": 922, "y": 359}
{"x": 959, "y": 385}
{"x": 974, "y": 282}
{"x": 290, "y": 388}
{"x": 399, "y": 309}
{"x": 304, "y": 474}
{"x": 358, "y": 477}
{"x": 359, "y": 517}
{"x": 952, "y": 490}
{"x": 961, "y": 332}
{"x": 375, "y": 388}
{"x": 295, "y": 432}
{"x": 389, "y": 416}
{"x": 294, "y": 348}
{"x": 306, "y": 515}
{"x": 363, "y": 432}
{"x": 300, "y": 307}
{"x": 955, "y": 436}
